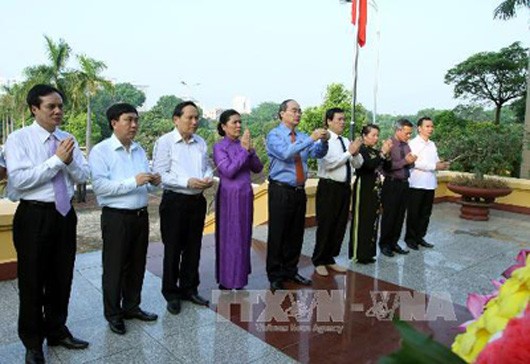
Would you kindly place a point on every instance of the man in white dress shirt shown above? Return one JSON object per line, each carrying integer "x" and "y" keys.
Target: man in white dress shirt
{"x": 43, "y": 163}
{"x": 333, "y": 193}
{"x": 181, "y": 158}
{"x": 422, "y": 183}
{"x": 121, "y": 178}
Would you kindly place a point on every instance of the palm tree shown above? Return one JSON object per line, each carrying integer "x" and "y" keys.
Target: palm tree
{"x": 85, "y": 83}
{"x": 54, "y": 72}
{"x": 507, "y": 10}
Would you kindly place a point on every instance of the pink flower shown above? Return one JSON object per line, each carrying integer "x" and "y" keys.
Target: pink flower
{"x": 521, "y": 262}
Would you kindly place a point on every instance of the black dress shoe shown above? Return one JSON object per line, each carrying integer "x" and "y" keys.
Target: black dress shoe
{"x": 425, "y": 244}
{"x": 69, "y": 342}
{"x": 366, "y": 261}
{"x": 276, "y": 286}
{"x": 412, "y": 245}
{"x": 387, "y": 252}
{"x": 34, "y": 356}
{"x": 399, "y": 250}
{"x": 141, "y": 315}
{"x": 174, "y": 307}
{"x": 198, "y": 300}
{"x": 297, "y": 278}
{"x": 117, "y": 326}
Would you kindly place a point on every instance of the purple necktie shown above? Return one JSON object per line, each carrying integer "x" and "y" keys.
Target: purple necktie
{"x": 62, "y": 203}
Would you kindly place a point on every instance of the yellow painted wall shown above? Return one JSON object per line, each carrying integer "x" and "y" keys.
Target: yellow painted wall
{"x": 519, "y": 197}
{"x": 261, "y": 207}
{"x": 7, "y": 250}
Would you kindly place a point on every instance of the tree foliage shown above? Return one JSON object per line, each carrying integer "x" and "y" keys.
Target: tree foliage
{"x": 482, "y": 147}
{"x": 508, "y": 8}
{"x": 104, "y": 98}
{"x": 498, "y": 77}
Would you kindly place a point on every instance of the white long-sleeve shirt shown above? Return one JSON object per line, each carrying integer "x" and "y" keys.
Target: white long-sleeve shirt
{"x": 177, "y": 161}
{"x": 114, "y": 171}
{"x": 423, "y": 175}
{"x": 31, "y": 168}
{"x": 333, "y": 164}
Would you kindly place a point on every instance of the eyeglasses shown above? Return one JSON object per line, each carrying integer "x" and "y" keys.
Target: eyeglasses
{"x": 296, "y": 111}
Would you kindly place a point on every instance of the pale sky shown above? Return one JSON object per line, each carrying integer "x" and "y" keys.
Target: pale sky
{"x": 267, "y": 50}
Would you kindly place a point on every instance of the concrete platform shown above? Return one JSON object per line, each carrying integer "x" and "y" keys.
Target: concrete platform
{"x": 467, "y": 255}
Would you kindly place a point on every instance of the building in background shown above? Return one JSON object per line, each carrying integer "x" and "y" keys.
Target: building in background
{"x": 213, "y": 113}
{"x": 241, "y": 104}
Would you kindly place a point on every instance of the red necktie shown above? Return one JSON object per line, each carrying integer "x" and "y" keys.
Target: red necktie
{"x": 300, "y": 178}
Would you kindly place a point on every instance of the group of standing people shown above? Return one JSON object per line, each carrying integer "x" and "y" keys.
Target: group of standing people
{"x": 43, "y": 163}
{"x": 397, "y": 180}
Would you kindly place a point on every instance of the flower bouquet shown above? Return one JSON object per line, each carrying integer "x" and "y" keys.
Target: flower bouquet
{"x": 500, "y": 332}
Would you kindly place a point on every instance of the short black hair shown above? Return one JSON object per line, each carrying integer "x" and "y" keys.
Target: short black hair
{"x": 422, "y": 119}
{"x": 223, "y": 119}
{"x": 401, "y": 123}
{"x": 283, "y": 107}
{"x": 114, "y": 112}
{"x": 368, "y": 128}
{"x": 330, "y": 114}
{"x": 180, "y": 107}
{"x": 36, "y": 92}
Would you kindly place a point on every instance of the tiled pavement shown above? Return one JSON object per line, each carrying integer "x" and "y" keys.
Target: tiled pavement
{"x": 466, "y": 257}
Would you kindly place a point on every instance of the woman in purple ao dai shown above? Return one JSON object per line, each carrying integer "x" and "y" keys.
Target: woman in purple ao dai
{"x": 234, "y": 159}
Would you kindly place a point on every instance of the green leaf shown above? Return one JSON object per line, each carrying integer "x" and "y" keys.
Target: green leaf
{"x": 418, "y": 348}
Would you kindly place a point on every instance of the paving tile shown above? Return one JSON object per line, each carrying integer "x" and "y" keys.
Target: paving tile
{"x": 219, "y": 343}
{"x": 16, "y": 353}
{"x": 152, "y": 353}
{"x": 103, "y": 342}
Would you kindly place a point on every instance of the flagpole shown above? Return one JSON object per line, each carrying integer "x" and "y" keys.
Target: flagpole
{"x": 376, "y": 77}
{"x": 354, "y": 92}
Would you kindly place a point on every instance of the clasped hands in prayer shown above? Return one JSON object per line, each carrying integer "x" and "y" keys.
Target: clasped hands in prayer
{"x": 65, "y": 150}
{"x": 144, "y": 178}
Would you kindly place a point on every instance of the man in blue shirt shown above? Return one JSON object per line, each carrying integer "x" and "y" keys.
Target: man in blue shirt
{"x": 121, "y": 179}
{"x": 288, "y": 151}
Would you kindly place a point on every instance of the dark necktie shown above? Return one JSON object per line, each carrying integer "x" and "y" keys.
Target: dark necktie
{"x": 348, "y": 165}
{"x": 300, "y": 178}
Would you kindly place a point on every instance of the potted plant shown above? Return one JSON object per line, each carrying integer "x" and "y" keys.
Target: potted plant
{"x": 478, "y": 193}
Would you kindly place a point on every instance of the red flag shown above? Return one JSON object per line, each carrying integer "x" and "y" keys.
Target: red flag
{"x": 354, "y": 11}
{"x": 361, "y": 31}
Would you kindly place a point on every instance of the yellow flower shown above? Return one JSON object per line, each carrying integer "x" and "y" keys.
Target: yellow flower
{"x": 513, "y": 298}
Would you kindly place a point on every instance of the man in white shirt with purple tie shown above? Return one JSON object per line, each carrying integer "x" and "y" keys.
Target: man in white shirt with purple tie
{"x": 43, "y": 163}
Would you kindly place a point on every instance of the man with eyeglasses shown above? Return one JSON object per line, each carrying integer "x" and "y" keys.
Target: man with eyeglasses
{"x": 121, "y": 180}
{"x": 288, "y": 151}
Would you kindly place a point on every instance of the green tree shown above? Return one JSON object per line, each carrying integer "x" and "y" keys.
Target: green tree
{"x": 498, "y": 77}
{"x": 508, "y": 8}
{"x": 84, "y": 84}
{"x": 103, "y": 99}
{"x": 157, "y": 121}
{"x": 75, "y": 124}
{"x": 264, "y": 112}
{"x": 54, "y": 72}
{"x": 336, "y": 96}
